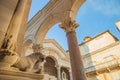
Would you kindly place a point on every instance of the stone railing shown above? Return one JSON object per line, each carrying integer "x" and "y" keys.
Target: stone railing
{"x": 105, "y": 65}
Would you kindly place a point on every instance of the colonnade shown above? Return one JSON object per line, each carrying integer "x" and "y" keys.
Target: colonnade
{"x": 18, "y": 22}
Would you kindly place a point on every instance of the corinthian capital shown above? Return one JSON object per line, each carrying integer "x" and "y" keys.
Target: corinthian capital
{"x": 69, "y": 25}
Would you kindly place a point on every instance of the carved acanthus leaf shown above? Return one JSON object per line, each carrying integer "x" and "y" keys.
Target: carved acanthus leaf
{"x": 69, "y": 25}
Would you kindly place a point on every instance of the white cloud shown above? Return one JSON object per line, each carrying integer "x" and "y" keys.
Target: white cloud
{"x": 107, "y": 7}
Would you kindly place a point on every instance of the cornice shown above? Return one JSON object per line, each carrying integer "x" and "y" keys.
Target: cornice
{"x": 56, "y": 44}
{"x": 99, "y": 36}
{"x": 102, "y": 49}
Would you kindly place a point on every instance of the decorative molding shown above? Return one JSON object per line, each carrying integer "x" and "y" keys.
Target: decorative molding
{"x": 102, "y": 49}
{"x": 69, "y": 25}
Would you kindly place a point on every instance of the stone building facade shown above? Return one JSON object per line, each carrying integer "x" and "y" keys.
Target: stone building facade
{"x": 101, "y": 57}
{"x": 57, "y": 62}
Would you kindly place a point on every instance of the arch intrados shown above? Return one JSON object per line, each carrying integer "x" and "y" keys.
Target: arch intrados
{"x": 54, "y": 59}
{"x": 53, "y": 51}
{"x": 44, "y": 28}
{"x": 52, "y": 20}
{"x": 75, "y": 8}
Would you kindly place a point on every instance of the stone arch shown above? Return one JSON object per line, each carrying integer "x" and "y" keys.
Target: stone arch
{"x": 52, "y": 53}
{"x": 67, "y": 11}
{"x": 45, "y": 26}
{"x": 29, "y": 37}
{"x": 50, "y": 67}
{"x": 75, "y": 7}
{"x": 27, "y": 43}
{"x": 56, "y": 17}
{"x": 56, "y": 62}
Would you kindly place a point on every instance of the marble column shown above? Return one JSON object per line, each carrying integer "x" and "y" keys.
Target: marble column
{"x": 19, "y": 19}
{"x": 58, "y": 73}
{"x": 78, "y": 72}
{"x": 7, "y": 8}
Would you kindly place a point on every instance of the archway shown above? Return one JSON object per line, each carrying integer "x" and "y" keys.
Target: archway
{"x": 49, "y": 67}
{"x": 59, "y": 15}
{"x": 65, "y": 14}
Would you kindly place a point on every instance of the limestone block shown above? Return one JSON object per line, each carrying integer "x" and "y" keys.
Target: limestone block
{"x": 7, "y": 59}
{"x": 7, "y": 8}
{"x": 15, "y": 75}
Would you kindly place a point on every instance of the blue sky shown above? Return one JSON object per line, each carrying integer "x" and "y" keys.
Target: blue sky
{"x": 94, "y": 17}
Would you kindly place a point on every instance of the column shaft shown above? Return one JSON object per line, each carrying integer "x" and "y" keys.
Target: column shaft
{"x": 22, "y": 30}
{"x": 7, "y": 8}
{"x": 75, "y": 57}
{"x": 58, "y": 73}
{"x": 19, "y": 20}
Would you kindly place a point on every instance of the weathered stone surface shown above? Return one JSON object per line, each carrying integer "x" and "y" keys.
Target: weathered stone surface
{"x": 7, "y": 59}
{"x": 7, "y": 8}
{"x": 13, "y": 75}
{"x": 30, "y": 63}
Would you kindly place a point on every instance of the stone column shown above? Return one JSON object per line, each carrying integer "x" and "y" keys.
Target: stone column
{"x": 8, "y": 48}
{"x": 58, "y": 73}
{"x": 22, "y": 30}
{"x": 78, "y": 72}
{"x": 19, "y": 19}
{"x": 7, "y": 8}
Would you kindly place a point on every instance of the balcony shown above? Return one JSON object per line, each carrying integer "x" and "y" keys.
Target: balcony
{"x": 103, "y": 67}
